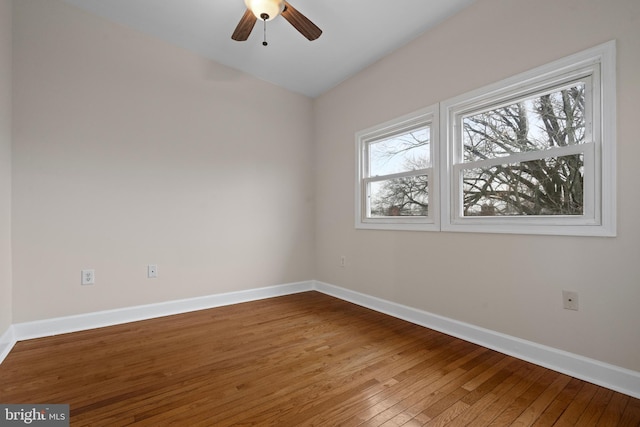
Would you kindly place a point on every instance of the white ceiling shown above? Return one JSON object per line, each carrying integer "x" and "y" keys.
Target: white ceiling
{"x": 356, "y": 33}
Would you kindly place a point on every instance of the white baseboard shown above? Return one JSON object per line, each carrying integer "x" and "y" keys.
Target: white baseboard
{"x": 600, "y": 373}
{"x": 7, "y": 341}
{"x": 603, "y": 374}
{"x": 99, "y": 319}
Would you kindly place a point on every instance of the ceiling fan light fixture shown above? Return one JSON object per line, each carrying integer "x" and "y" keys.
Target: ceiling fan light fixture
{"x": 271, "y": 8}
{"x": 266, "y": 10}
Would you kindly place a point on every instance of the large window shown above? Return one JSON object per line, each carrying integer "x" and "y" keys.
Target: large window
{"x": 535, "y": 153}
{"x": 531, "y": 154}
{"x": 396, "y": 177}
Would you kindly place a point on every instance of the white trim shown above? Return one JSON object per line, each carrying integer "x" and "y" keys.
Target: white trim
{"x": 427, "y": 116}
{"x": 7, "y": 341}
{"x": 613, "y": 377}
{"x": 80, "y": 322}
{"x": 603, "y": 374}
{"x": 526, "y": 156}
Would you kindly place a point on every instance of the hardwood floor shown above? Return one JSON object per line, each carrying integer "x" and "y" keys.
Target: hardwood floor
{"x": 299, "y": 360}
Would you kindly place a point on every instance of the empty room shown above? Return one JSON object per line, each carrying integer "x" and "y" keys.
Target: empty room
{"x": 329, "y": 213}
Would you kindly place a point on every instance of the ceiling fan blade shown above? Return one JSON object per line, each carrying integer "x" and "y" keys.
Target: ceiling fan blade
{"x": 301, "y": 22}
{"x": 244, "y": 27}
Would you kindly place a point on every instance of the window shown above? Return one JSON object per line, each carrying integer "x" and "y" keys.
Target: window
{"x": 396, "y": 178}
{"x": 534, "y": 154}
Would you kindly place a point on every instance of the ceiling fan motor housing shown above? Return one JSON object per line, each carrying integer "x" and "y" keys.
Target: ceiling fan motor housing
{"x": 262, "y": 8}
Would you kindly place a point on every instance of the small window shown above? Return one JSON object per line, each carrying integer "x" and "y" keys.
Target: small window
{"x": 535, "y": 153}
{"x": 396, "y": 179}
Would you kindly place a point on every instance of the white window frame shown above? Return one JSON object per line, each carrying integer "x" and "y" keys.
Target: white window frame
{"x": 594, "y": 66}
{"x": 424, "y": 117}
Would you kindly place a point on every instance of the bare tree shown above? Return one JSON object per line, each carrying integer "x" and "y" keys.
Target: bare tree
{"x": 405, "y": 195}
{"x": 545, "y": 186}
{"x": 408, "y": 196}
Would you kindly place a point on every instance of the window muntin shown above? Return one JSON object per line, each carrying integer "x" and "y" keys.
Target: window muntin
{"x": 539, "y": 187}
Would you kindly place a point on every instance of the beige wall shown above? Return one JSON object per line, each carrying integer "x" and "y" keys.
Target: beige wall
{"x": 507, "y": 283}
{"x": 5, "y": 165}
{"x": 129, "y": 151}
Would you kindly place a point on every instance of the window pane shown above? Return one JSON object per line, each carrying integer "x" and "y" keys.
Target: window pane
{"x": 408, "y": 196}
{"x": 401, "y": 153}
{"x": 554, "y": 119}
{"x": 552, "y": 186}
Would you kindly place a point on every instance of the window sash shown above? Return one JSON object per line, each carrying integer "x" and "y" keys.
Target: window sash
{"x": 366, "y": 208}
{"x": 399, "y": 130}
{"x": 589, "y": 76}
{"x": 590, "y": 216}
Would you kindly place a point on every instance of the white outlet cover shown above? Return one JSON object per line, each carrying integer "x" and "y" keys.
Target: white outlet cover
{"x": 570, "y": 300}
{"x": 152, "y": 271}
{"x": 88, "y": 277}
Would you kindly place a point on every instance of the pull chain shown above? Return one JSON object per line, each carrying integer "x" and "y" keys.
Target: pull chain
{"x": 264, "y": 17}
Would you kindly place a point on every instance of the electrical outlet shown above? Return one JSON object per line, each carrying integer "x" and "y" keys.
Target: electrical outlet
{"x": 343, "y": 261}
{"x": 152, "y": 271}
{"x": 570, "y": 300}
{"x": 88, "y": 277}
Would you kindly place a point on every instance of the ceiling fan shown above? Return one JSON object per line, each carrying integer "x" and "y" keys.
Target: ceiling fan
{"x": 266, "y": 10}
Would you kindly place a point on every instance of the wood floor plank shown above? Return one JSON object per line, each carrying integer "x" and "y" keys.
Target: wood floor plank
{"x": 300, "y": 360}
{"x": 408, "y": 382}
{"x": 433, "y": 404}
{"x": 409, "y": 397}
{"x": 631, "y": 415}
{"x": 445, "y": 418}
{"x": 614, "y": 410}
{"x": 517, "y": 407}
{"x": 499, "y": 378}
{"x": 524, "y": 380}
{"x": 539, "y": 405}
{"x": 596, "y": 407}
{"x": 559, "y": 404}
{"x": 487, "y": 374}
{"x": 356, "y": 407}
{"x": 502, "y": 384}
{"x": 573, "y": 412}
{"x": 348, "y": 379}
